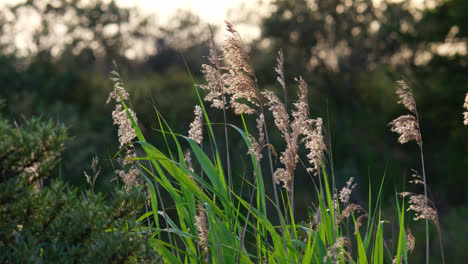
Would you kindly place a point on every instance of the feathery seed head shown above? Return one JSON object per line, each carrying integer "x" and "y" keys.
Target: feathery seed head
{"x": 279, "y": 69}
{"x": 315, "y": 143}
{"x": 406, "y": 96}
{"x": 418, "y": 205}
{"x": 126, "y": 133}
{"x": 345, "y": 193}
{"x": 196, "y": 127}
{"x": 278, "y": 110}
{"x": 129, "y": 179}
{"x": 214, "y": 85}
{"x": 281, "y": 175}
{"x": 238, "y": 77}
{"x": 241, "y": 87}
{"x": 188, "y": 160}
{"x": 408, "y": 128}
{"x": 202, "y": 227}
{"x": 234, "y": 52}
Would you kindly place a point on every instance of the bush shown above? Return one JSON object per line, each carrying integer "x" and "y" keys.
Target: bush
{"x": 57, "y": 223}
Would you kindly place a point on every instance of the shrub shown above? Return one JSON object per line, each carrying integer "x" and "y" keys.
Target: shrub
{"x": 57, "y": 223}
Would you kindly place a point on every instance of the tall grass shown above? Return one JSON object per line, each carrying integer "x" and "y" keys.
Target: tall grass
{"x": 214, "y": 222}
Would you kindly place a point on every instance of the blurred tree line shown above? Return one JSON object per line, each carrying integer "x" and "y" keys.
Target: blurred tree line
{"x": 350, "y": 52}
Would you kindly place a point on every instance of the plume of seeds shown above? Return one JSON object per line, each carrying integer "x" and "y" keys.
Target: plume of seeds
{"x": 126, "y": 133}
{"x": 465, "y": 114}
{"x": 202, "y": 228}
{"x": 315, "y": 143}
{"x": 418, "y": 206}
{"x": 345, "y": 193}
{"x": 129, "y": 178}
{"x": 214, "y": 79}
{"x": 196, "y": 127}
{"x": 279, "y": 69}
{"x": 238, "y": 78}
{"x": 407, "y": 126}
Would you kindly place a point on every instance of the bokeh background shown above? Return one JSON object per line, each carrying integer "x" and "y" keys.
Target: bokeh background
{"x": 55, "y": 59}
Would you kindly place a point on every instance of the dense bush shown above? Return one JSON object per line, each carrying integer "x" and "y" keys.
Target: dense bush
{"x": 57, "y": 223}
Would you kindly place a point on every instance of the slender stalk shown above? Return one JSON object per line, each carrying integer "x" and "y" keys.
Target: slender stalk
{"x": 425, "y": 186}
{"x": 425, "y": 195}
{"x": 158, "y": 193}
{"x": 227, "y": 152}
{"x": 275, "y": 192}
{"x": 242, "y": 238}
{"x": 330, "y": 157}
{"x": 291, "y": 197}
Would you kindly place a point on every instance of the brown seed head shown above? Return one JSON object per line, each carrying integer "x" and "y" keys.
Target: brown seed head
{"x": 408, "y": 128}
{"x": 418, "y": 206}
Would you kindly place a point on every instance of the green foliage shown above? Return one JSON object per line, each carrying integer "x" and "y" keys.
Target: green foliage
{"x": 56, "y": 223}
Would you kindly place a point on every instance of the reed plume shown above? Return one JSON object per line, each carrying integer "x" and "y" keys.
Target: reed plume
{"x": 213, "y": 76}
{"x": 239, "y": 75}
{"x": 345, "y": 193}
{"x": 196, "y": 127}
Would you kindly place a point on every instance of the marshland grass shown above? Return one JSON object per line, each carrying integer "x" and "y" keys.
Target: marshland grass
{"x": 215, "y": 221}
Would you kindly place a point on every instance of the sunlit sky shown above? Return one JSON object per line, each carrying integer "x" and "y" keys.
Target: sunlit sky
{"x": 213, "y": 12}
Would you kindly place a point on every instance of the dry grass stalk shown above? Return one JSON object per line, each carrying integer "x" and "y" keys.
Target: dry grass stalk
{"x": 196, "y": 127}
{"x": 465, "y": 114}
{"x": 96, "y": 171}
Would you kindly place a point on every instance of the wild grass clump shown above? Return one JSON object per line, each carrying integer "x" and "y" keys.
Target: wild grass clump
{"x": 209, "y": 220}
